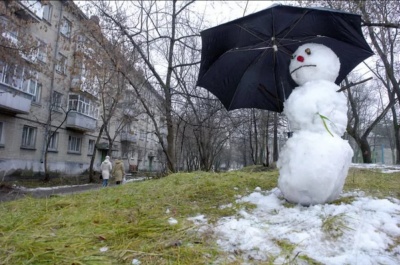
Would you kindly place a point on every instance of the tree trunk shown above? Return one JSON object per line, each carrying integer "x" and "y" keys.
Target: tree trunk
{"x": 366, "y": 151}
{"x": 91, "y": 171}
{"x": 397, "y": 141}
{"x": 275, "y": 151}
{"x": 266, "y": 141}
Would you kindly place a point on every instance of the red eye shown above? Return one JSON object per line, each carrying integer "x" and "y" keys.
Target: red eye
{"x": 300, "y": 58}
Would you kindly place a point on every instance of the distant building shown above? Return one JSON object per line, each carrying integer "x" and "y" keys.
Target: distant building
{"x": 36, "y": 95}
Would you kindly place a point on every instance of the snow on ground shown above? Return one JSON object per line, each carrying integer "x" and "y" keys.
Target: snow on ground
{"x": 381, "y": 167}
{"x": 365, "y": 231}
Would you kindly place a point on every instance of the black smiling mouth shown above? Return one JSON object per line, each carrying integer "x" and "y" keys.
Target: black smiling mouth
{"x": 309, "y": 65}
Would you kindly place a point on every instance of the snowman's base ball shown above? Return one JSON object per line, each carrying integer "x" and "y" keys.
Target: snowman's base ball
{"x": 313, "y": 167}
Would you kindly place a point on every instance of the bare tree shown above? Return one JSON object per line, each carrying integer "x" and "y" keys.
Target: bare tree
{"x": 363, "y": 118}
{"x": 154, "y": 33}
{"x": 381, "y": 25}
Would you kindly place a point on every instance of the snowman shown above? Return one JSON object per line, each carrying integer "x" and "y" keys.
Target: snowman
{"x": 314, "y": 163}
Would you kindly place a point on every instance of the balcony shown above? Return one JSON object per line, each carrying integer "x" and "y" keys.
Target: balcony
{"x": 30, "y": 10}
{"x": 128, "y": 137}
{"x": 11, "y": 36}
{"x": 106, "y": 146}
{"x": 14, "y": 102}
{"x": 81, "y": 83}
{"x": 77, "y": 83}
{"x": 80, "y": 122}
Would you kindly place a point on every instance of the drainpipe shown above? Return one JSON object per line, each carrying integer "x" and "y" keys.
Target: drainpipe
{"x": 48, "y": 125}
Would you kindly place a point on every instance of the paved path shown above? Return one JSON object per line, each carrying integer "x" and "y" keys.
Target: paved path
{"x": 14, "y": 193}
{"x": 9, "y": 194}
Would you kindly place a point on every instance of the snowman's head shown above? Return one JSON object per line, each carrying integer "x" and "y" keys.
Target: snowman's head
{"x": 314, "y": 61}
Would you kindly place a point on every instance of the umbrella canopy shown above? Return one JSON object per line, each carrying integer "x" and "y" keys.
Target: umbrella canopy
{"x": 245, "y": 62}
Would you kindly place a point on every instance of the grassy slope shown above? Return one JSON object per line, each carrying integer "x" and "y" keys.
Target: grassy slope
{"x": 132, "y": 220}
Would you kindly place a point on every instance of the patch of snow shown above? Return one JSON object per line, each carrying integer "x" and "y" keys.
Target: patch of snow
{"x": 136, "y": 262}
{"x": 103, "y": 249}
{"x": 382, "y": 167}
{"x": 172, "y": 221}
{"x": 362, "y": 232}
{"x": 52, "y": 188}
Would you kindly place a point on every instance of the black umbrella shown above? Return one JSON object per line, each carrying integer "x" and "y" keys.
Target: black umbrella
{"x": 245, "y": 62}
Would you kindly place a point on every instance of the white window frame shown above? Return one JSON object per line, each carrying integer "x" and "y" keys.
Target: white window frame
{"x": 47, "y": 12}
{"x": 37, "y": 96}
{"x": 3, "y": 68}
{"x": 30, "y": 82}
{"x": 83, "y": 105}
{"x": 28, "y": 137}
{"x": 42, "y": 51}
{"x": 61, "y": 64}
{"x": 10, "y": 31}
{"x": 91, "y": 147}
{"x": 56, "y": 100}
{"x": 2, "y": 129}
{"x": 26, "y": 80}
{"x": 74, "y": 144}
{"x": 33, "y": 6}
{"x": 53, "y": 141}
{"x": 13, "y": 76}
{"x": 66, "y": 27}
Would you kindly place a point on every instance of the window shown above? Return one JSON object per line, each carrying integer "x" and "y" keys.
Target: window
{"x": 82, "y": 105}
{"x": 42, "y": 51}
{"x": 61, "y": 65}
{"x": 1, "y": 133}
{"x": 66, "y": 27}
{"x": 3, "y": 68}
{"x": 47, "y": 12}
{"x": 91, "y": 147}
{"x": 28, "y": 137}
{"x": 21, "y": 78}
{"x": 140, "y": 155}
{"x": 36, "y": 97}
{"x": 9, "y": 30}
{"x": 13, "y": 76}
{"x": 53, "y": 142}
{"x": 56, "y": 101}
{"x": 30, "y": 82}
{"x": 74, "y": 144}
{"x": 142, "y": 135}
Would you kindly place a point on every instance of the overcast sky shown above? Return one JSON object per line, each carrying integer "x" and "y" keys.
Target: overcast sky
{"x": 218, "y": 12}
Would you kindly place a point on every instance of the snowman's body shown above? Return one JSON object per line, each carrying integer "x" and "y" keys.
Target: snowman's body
{"x": 314, "y": 163}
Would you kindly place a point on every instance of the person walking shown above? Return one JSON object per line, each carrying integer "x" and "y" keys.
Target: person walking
{"x": 106, "y": 168}
{"x": 118, "y": 171}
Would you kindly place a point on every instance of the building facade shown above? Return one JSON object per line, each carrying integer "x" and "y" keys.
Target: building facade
{"x": 46, "y": 94}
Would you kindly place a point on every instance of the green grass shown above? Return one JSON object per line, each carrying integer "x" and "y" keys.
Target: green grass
{"x": 334, "y": 225}
{"x": 373, "y": 182}
{"x": 132, "y": 220}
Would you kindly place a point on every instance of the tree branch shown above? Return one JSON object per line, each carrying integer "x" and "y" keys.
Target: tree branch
{"x": 385, "y": 25}
{"x": 351, "y": 84}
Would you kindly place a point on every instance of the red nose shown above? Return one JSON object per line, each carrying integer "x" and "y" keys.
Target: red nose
{"x": 300, "y": 58}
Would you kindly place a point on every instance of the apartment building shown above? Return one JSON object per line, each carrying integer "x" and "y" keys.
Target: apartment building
{"x": 146, "y": 154}
{"x": 47, "y": 94}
